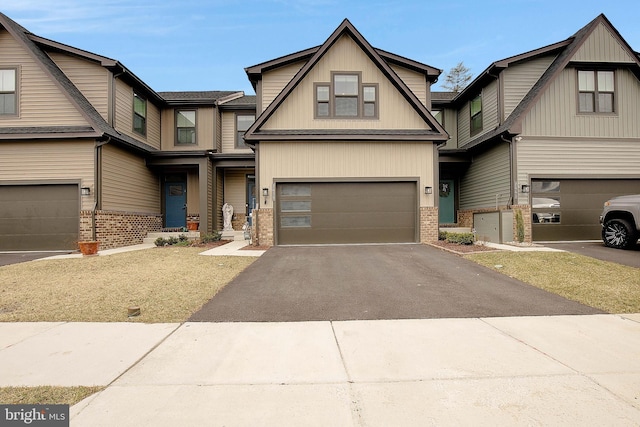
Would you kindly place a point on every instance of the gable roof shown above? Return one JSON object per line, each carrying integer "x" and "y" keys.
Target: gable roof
{"x": 255, "y": 134}
{"x": 98, "y": 127}
{"x": 513, "y": 124}
{"x": 255, "y": 72}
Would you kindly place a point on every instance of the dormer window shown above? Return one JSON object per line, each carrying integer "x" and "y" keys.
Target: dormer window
{"x": 346, "y": 97}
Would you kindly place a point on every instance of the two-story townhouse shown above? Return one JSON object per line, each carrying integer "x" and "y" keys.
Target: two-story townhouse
{"x": 346, "y": 148}
{"x": 553, "y": 132}
{"x": 88, "y": 151}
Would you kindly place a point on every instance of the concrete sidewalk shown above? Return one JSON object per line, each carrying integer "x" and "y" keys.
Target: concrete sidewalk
{"x": 556, "y": 370}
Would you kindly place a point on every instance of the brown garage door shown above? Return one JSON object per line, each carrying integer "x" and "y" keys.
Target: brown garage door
{"x": 356, "y": 212}
{"x": 39, "y": 217}
{"x": 568, "y": 209}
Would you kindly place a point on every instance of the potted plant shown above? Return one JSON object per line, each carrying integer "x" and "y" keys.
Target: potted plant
{"x": 193, "y": 222}
{"x": 88, "y": 247}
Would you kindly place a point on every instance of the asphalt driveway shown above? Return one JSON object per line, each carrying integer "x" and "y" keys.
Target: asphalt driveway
{"x": 375, "y": 282}
{"x": 598, "y": 250}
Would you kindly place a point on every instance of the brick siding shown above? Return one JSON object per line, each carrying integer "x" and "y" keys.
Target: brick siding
{"x": 428, "y": 224}
{"x": 116, "y": 229}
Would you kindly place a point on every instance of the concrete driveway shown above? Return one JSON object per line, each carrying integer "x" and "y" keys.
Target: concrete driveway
{"x": 7, "y": 258}
{"x": 375, "y": 282}
{"x": 598, "y": 250}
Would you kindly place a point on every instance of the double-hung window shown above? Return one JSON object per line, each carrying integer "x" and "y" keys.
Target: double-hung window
{"x": 346, "y": 97}
{"x": 8, "y": 93}
{"x": 186, "y": 127}
{"x": 139, "y": 114}
{"x": 243, "y": 123}
{"x": 596, "y": 91}
{"x": 476, "y": 114}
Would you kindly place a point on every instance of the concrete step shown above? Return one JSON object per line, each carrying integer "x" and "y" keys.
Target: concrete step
{"x": 233, "y": 235}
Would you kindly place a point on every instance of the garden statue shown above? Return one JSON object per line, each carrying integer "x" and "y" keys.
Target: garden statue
{"x": 227, "y": 214}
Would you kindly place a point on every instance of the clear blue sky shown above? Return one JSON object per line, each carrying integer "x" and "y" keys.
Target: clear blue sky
{"x": 205, "y": 45}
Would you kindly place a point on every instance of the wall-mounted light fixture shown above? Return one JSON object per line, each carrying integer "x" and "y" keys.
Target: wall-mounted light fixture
{"x": 428, "y": 190}
{"x": 525, "y": 188}
{"x": 85, "y": 191}
{"x": 265, "y": 194}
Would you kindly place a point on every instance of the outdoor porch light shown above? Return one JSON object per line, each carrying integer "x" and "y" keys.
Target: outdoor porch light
{"x": 85, "y": 191}
{"x": 428, "y": 190}
{"x": 525, "y": 188}
{"x": 265, "y": 193}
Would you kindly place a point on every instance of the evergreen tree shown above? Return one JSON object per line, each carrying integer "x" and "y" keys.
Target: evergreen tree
{"x": 457, "y": 78}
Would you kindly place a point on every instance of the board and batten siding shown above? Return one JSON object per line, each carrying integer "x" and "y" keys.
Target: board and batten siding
{"x": 416, "y": 82}
{"x": 487, "y": 180}
{"x": 297, "y": 110}
{"x": 127, "y": 184}
{"x": 41, "y": 101}
{"x": 89, "y": 77}
{"x": 341, "y": 161}
{"x": 489, "y": 115}
{"x": 275, "y": 80}
{"x": 583, "y": 158}
{"x": 518, "y": 79}
{"x": 61, "y": 160}
{"x": 602, "y": 46}
{"x": 229, "y": 133}
{"x": 556, "y": 114}
{"x": 124, "y": 116}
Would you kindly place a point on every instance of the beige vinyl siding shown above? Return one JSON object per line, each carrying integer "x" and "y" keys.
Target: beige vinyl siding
{"x": 487, "y": 179}
{"x": 124, "y": 116}
{"x": 210, "y": 191}
{"x": 229, "y": 133}
{"x": 275, "y": 80}
{"x": 555, "y": 113}
{"x": 584, "y": 157}
{"x": 297, "y": 111}
{"x": 235, "y": 188}
{"x": 450, "y": 123}
{"x": 219, "y": 191}
{"x": 344, "y": 160}
{"x": 193, "y": 193}
{"x": 415, "y": 81}
{"x": 40, "y": 101}
{"x": 89, "y": 77}
{"x": 60, "y": 160}
{"x": 520, "y": 78}
{"x": 127, "y": 184}
{"x": 205, "y": 122}
{"x": 602, "y": 46}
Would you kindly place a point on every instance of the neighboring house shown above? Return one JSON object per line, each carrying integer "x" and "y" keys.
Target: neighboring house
{"x": 342, "y": 143}
{"x": 89, "y": 151}
{"x": 553, "y": 132}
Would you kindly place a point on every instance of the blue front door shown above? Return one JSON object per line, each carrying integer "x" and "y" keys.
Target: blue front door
{"x": 447, "y": 208}
{"x": 175, "y": 204}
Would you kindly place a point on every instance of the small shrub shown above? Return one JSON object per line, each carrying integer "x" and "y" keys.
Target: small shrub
{"x": 519, "y": 226}
{"x": 460, "y": 238}
{"x": 182, "y": 240}
{"x": 442, "y": 235}
{"x": 213, "y": 237}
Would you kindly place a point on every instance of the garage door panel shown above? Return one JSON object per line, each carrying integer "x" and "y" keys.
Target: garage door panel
{"x": 359, "y": 212}
{"x": 39, "y": 217}
{"x": 581, "y": 202}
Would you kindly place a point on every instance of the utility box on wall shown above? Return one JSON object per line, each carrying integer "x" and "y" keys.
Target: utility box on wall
{"x": 495, "y": 227}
